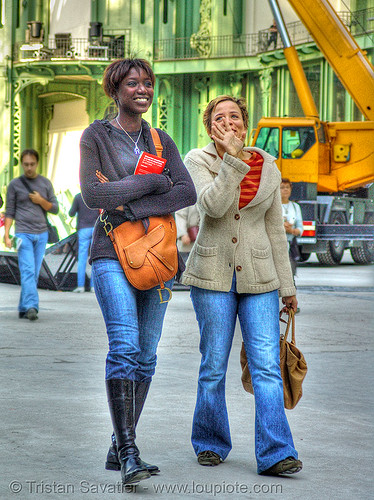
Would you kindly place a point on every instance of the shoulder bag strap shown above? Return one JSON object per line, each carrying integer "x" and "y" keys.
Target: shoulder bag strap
{"x": 108, "y": 228}
{"x": 157, "y": 142}
{"x": 26, "y": 184}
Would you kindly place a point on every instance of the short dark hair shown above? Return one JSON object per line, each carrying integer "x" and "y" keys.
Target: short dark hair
{"x": 285, "y": 180}
{"x": 119, "y": 69}
{"x": 240, "y": 101}
{"x": 30, "y": 152}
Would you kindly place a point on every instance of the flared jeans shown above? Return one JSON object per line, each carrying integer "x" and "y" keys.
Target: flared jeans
{"x": 258, "y": 315}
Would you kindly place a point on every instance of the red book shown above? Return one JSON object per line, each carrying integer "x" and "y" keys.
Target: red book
{"x": 149, "y": 164}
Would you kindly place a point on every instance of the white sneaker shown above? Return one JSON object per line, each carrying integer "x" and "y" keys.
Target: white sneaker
{"x": 79, "y": 289}
{"x": 92, "y": 290}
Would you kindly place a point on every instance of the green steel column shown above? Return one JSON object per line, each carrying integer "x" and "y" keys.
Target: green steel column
{"x": 250, "y": 98}
{"x": 284, "y": 92}
{"x": 94, "y": 10}
{"x": 46, "y": 114}
{"x": 154, "y": 110}
{"x": 175, "y": 124}
{"x": 39, "y": 10}
{"x": 12, "y": 160}
{"x": 206, "y": 93}
{"x": 330, "y": 93}
{"x": 236, "y": 84}
{"x": 192, "y": 120}
{"x": 186, "y": 121}
{"x": 265, "y": 84}
{"x": 348, "y": 108}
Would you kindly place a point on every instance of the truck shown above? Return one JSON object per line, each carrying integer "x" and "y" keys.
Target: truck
{"x": 330, "y": 164}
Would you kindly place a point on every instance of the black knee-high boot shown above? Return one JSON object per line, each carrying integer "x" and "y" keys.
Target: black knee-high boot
{"x": 121, "y": 400}
{"x": 112, "y": 462}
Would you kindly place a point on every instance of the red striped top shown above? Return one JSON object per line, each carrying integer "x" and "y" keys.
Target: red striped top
{"x": 250, "y": 183}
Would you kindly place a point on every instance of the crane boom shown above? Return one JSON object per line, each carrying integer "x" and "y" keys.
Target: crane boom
{"x": 340, "y": 49}
{"x": 297, "y": 72}
{"x": 331, "y": 164}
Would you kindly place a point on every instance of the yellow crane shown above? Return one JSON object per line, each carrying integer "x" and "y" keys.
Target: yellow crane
{"x": 331, "y": 164}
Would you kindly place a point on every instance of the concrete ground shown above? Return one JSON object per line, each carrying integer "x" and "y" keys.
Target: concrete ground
{"x": 55, "y": 427}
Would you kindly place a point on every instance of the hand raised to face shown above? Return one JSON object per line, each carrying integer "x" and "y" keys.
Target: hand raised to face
{"x": 229, "y": 140}
{"x": 228, "y": 130}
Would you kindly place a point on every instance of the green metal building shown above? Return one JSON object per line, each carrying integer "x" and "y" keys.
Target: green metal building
{"x": 53, "y": 54}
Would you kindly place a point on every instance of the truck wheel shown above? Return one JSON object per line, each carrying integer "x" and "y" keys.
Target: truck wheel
{"x": 368, "y": 246}
{"x": 335, "y": 249}
{"x": 326, "y": 258}
{"x": 358, "y": 255}
{"x": 364, "y": 254}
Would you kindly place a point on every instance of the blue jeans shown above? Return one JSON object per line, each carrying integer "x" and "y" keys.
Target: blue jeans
{"x": 30, "y": 257}
{"x": 84, "y": 241}
{"x": 258, "y": 315}
{"x": 133, "y": 320}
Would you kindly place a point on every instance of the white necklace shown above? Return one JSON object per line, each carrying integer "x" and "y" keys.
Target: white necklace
{"x": 136, "y": 149}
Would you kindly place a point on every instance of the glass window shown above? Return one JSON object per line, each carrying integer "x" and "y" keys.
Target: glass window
{"x": 338, "y": 96}
{"x": 294, "y": 106}
{"x": 274, "y": 93}
{"x": 268, "y": 140}
{"x": 357, "y": 115}
{"x": 142, "y": 11}
{"x": 321, "y": 133}
{"x": 256, "y": 108}
{"x": 165, "y": 16}
{"x": 296, "y": 141}
{"x": 313, "y": 76}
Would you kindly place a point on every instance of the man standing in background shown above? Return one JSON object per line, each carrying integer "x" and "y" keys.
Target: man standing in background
{"x": 273, "y": 32}
{"x": 28, "y": 199}
{"x": 86, "y": 219}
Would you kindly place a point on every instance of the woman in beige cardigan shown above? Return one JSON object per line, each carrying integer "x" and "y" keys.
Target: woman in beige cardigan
{"x": 237, "y": 267}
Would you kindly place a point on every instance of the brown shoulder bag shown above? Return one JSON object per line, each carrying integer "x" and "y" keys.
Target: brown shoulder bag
{"x": 148, "y": 258}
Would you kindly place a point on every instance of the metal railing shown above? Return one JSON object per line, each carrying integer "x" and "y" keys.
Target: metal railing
{"x": 112, "y": 45}
{"x": 195, "y": 47}
{"x": 116, "y": 44}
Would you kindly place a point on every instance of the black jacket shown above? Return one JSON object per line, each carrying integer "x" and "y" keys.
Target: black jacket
{"x": 142, "y": 195}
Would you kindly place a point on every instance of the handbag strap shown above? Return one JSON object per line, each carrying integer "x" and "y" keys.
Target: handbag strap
{"x": 108, "y": 228}
{"x": 290, "y": 322}
{"x": 157, "y": 142}
{"x": 27, "y": 186}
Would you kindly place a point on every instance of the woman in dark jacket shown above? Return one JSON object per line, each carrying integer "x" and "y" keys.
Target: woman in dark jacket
{"x": 133, "y": 318}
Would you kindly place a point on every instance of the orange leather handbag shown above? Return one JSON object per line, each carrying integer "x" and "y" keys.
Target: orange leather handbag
{"x": 148, "y": 258}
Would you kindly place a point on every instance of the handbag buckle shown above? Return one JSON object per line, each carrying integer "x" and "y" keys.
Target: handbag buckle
{"x": 108, "y": 228}
{"x": 160, "y": 290}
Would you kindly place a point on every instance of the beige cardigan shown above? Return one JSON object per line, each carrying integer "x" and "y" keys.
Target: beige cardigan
{"x": 251, "y": 241}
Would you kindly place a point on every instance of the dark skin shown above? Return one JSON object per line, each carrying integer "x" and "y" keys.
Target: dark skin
{"x": 134, "y": 97}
